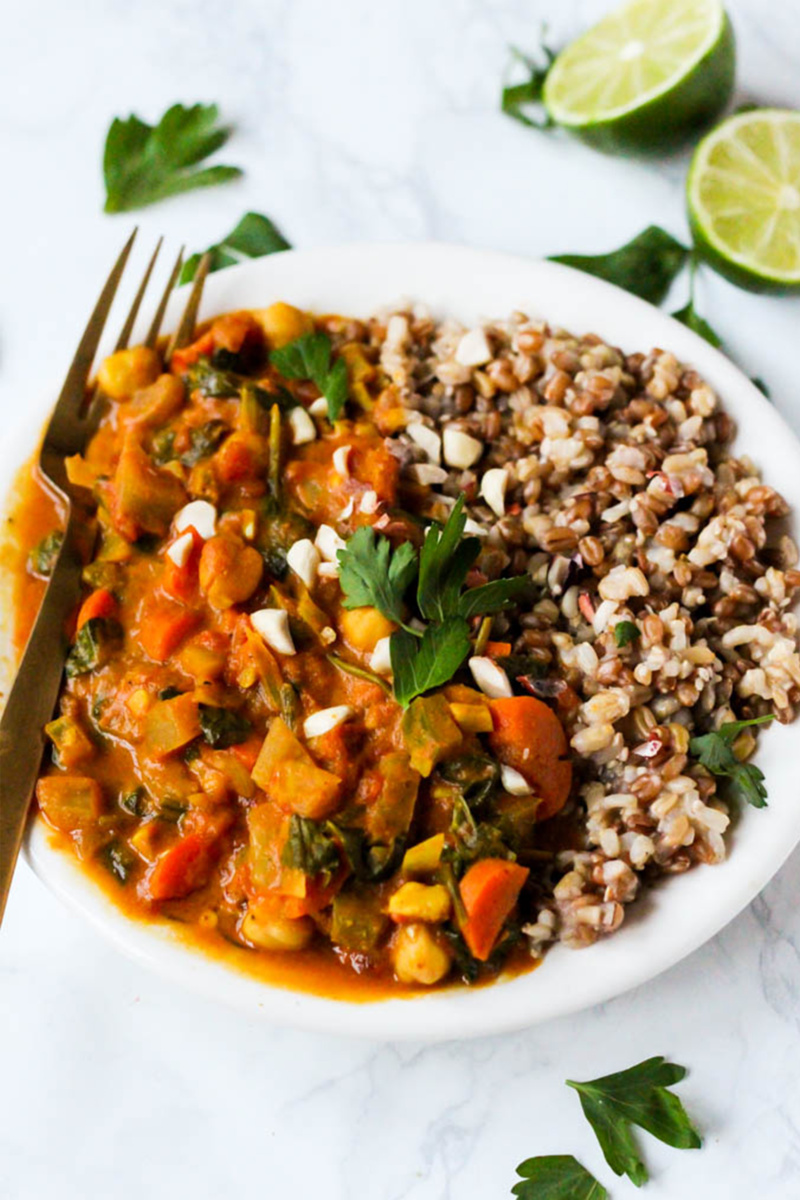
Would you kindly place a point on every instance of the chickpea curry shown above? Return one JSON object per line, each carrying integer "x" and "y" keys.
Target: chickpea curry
{"x": 286, "y": 717}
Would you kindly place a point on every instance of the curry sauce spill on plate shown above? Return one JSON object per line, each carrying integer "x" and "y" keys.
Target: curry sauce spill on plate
{"x": 407, "y": 649}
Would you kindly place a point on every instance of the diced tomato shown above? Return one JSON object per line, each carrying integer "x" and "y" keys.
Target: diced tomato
{"x": 180, "y": 870}
{"x": 100, "y": 603}
{"x": 163, "y": 626}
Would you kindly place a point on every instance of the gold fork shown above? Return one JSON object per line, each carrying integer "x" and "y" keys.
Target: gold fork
{"x": 33, "y": 695}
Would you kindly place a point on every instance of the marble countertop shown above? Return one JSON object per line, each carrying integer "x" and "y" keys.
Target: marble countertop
{"x": 354, "y": 121}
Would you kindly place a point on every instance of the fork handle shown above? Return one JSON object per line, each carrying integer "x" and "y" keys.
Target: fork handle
{"x": 31, "y": 702}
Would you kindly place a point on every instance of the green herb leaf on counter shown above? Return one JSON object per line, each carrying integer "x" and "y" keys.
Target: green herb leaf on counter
{"x": 715, "y": 752}
{"x": 626, "y": 632}
{"x": 557, "y": 1177}
{"x": 762, "y": 387}
{"x": 309, "y": 357}
{"x": 42, "y": 557}
{"x": 371, "y": 572}
{"x": 145, "y": 163}
{"x": 645, "y": 266}
{"x": 689, "y": 316}
{"x": 254, "y": 237}
{"x": 638, "y": 1096}
{"x": 516, "y": 97}
{"x": 222, "y": 727}
{"x": 421, "y": 664}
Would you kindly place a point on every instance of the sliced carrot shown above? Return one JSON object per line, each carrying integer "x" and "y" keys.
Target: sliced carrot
{"x": 180, "y": 870}
{"x": 163, "y": 628}
{"x": 489, "y": 891}
{"x": 101, "y": 603}
{"x": 498, "y": 649}
{"x": 184, "y": 358}
{"x": 529, "y": 737}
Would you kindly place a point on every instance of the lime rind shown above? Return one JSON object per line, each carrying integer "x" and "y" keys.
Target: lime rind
{"x": 743, "y": 194}
{"x": 647, "y": 49}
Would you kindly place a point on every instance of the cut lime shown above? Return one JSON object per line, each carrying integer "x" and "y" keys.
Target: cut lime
{"x": 743, "y": 193}
{"x": 646, "y": 76}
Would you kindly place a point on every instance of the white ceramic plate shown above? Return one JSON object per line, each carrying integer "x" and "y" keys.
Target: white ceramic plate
{"x": 675, "y": 918}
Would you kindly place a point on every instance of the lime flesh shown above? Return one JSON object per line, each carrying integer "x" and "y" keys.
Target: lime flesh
{"x": 646, "y": 76}
{"x": 743, "y": 194}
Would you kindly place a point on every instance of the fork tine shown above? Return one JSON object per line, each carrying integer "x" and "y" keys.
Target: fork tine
{"x": 155, "y": 328}
{"x": 183, "y": 334}
{"x": 125, "y": 332}
{"x": 71, "y": 396}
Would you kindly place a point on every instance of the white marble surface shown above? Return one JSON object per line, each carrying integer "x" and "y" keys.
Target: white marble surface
{"x": 355, "y": 121}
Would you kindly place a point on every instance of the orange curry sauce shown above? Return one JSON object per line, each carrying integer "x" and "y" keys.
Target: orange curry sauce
{"x": 180, "y": 772}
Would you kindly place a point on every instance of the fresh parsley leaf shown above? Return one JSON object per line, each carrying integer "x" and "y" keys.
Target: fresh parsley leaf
{"x": 372, "y": 573}
{"x": 419, "y": 665}
{"x": 204, "y": 440}
{"x": 144, "y": 163}
{"x": 495, "y": 596}
{"x": 254, "y": 237}
{"x": 311, "y": 848}
{"x": 645, "y": 266}
{"x": 715, "y": 752}
{"x": 516, "y": 97}
{"x": 689, "y": 316}
{"x": 557, "y": 1177}
{"x": 444, "y": 562}
{"x": 42, "y": 557}
{"x": 222, "y": 727}
{"x": 638, "y": 1096}
{"x": 761, "y": 385}
{"x": 626, "y": 632}
{"x": 309, "y": 357}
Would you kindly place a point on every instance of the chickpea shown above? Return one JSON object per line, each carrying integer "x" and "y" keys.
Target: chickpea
{"x": 418, "y": 957}
{"x": 282, "y": 323}
{"x": 125, "y": 371}
{"x": 270, "y": 932}
{"x": 364, "y": 627}
{"x": 230, "y": 571}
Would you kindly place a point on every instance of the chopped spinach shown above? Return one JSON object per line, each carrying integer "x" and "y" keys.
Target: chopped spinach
{"x": 134, "y": 802}
{"x": 204, "y": 441}
{"x": 93, "y": 645}
{"x": 169, "y": 693}
{"x": 171, "y": 809}
{"x": 222, "y": 727}
{"x": 42, "y": 558}
{"x": 119, "y": 859}
{"x": 311, "y": 847}
{"x": 475, "y": 775}
{"x": 223, "y": 385}
{"x": 162, "y": 446}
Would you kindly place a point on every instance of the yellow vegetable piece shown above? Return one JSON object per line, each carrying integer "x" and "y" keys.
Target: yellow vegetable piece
{"x": 139, "y": 702}
{"x": 79, "y": 473}
{"x": 363, "y": 628}
{"x": 171, "y": 724}
{"x": 144, "y": 841}
{"x": 72, "y": 744}
{"x": 472, "y": 718}
{"x": 420, "y": 902}
{"x": 125, "y": 371}
{"x": 290, "y": 777}
{"x": 425, "y": 856}
{"x": 430, "y": 732}
{"x": 282, "y": 323}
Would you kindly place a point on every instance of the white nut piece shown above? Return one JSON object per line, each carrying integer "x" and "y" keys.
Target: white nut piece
{"x": 460, "y": 449}
{"x": 514, "y": 782}
{"x": 427, "y": 440}
{"x": 341, "y": 457}
{"x": 491, "y": 679}
{"x": 303, "y": 428}
{"x": 381, "y": 659}
{"x": 304, "y": 559}
{"x": 273, "y": 626}
{"x": 328, "y": 570}
{"x": 369, "y": 502}
{"x": 493, "y": 490}
{"x": 473, "y": 350}
{"x": 319, "y": 407}
{"x": 328, "y": 543}
{"x": 326, "y": 719}
{"x": 473, "y": 527}
{"x": 427, "y": 474}
{"x": 198, "y": 514}
{"x": 180, "y": 549}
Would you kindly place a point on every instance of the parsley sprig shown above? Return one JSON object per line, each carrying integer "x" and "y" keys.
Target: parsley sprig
{"x": 254, "y": 237}
{"x": 556, "y": 1177}
{"x": 615, "y": 1103}
{"x": 144, "y": 163}
{"x": 715, "y": 752}
{"x": 309, "y": 357}
{"x": 371, "y": 572}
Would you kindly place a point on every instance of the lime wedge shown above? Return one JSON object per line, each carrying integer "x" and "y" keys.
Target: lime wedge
{"x": 646, "y": 76}
{"x": 743, "y": 193}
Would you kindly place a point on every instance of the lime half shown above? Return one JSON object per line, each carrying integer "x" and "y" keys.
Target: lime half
{"x": 744, "y": 199}
{"x": 646, "y": 76}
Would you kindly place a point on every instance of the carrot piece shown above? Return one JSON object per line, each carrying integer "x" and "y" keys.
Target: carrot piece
{"x": 163, "y": 628}
{"x": 101, "y": 603}
{"x": 528, "y": 736}
{"x": 489, "y": 891}
{"x": 184, "y": 358}
{"x": 498, "y": 649}
{"x": 180, "y": 870}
